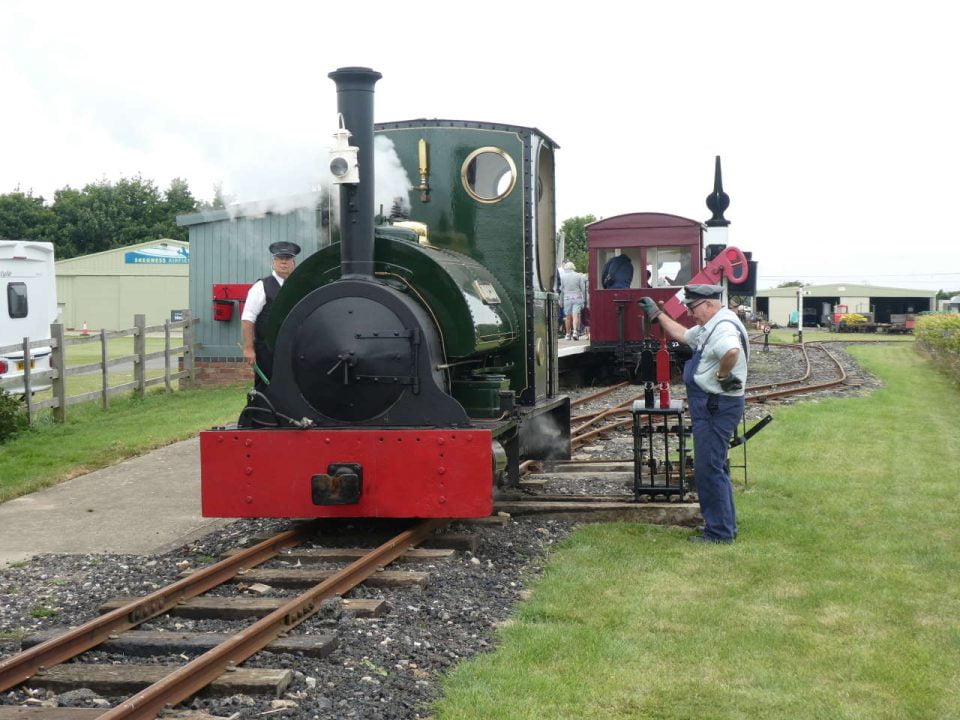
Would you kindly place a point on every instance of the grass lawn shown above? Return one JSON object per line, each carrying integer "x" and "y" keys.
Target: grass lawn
{"x": 839, "y": 600}
{"x": 93, "y": 438}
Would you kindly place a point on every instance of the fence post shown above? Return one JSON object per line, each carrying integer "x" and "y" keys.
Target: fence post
{"x": 188, "y": 340}
{"x": 166, "y": 355}
{"x": 104, "y": 384}
{"x": 139, "y": 350}
{"x": 58, "y": 359}
{"x": 27, "y": 384}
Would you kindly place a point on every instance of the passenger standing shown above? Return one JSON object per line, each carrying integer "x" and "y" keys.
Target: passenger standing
{"x": 256, "y": 311}
{"x": 573, "y": 286}
{"x": 714, "y": 377}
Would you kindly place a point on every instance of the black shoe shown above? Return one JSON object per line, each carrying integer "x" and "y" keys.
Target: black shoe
{"x": 713, "y": 541}
{"x": 698, "y": 528}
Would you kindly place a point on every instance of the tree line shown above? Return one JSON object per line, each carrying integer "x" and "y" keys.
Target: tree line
{"x": 101, "y": 216}
{"x": 574, "y": 231}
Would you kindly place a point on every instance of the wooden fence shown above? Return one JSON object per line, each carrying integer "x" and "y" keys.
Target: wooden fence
{"x": 59, "y": 372}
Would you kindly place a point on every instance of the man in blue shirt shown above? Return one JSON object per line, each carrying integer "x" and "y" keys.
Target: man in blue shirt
{"x": 617, "y": 273}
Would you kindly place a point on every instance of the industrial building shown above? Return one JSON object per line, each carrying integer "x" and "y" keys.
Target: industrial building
{"x": 819, "y": 301}
{"x": 106, "y": 289}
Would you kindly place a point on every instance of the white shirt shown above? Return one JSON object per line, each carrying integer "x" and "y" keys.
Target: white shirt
{"x": 726, "y": 337}
{"x": 256, "y": 299}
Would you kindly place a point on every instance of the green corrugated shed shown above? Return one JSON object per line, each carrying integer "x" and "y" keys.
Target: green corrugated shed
{"x": 231, "y": 247}
{"x": 106, "y": 289}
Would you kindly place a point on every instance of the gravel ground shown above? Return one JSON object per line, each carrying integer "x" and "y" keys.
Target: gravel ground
{"x": 385, "y": 667}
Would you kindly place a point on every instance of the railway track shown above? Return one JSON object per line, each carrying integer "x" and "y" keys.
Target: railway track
{"x": 814, "y": 369}
{"x": 824, "y": 372}
{"x": 44, "y": 664}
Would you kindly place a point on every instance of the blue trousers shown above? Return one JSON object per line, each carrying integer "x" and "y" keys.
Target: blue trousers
{"x": 713, "y": 425}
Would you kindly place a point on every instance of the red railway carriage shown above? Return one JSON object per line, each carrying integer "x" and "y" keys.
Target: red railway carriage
{"x": 665, "y": 252}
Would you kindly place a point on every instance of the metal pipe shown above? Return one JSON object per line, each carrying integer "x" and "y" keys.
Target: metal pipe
{"x": 355, "y": 103}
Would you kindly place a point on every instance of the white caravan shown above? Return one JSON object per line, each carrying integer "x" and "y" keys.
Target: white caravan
{"x": 28, "y": 305}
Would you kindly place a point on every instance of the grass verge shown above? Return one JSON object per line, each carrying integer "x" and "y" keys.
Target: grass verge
{"x": 838, "y": 601}
{"x": 92, "y": 438}
{"x": 788, "y": 335}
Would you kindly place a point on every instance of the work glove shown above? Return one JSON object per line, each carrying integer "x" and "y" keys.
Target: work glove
{"x": 730, "y": 383}
{"x": 650, "y": 308}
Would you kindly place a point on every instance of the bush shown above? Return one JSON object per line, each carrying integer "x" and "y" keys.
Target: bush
{"x": 939, "y": 335}
{"x": 12, "y": 420}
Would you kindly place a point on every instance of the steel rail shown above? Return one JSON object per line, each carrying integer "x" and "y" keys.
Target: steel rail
{"x": 794, "y": 381}
{"x": 598, "y": 394}
{"x": 579, "y": 437}
{"x": 623, "y": 408}
{"x": 579, "y": 434}
{"x": 604, "y": 413}
{"x": 186, "y": 681}
{"x": 809, "y": 388}
{"x": 526, "y": 464}
{"x": 24, "y": 665}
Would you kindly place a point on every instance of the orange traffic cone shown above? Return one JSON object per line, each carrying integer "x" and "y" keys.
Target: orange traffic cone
{"x": 84, "y": 331}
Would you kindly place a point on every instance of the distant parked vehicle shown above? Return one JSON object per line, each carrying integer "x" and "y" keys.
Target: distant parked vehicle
{"x": 901, "y": 323}
{"x": 29, "y": 306}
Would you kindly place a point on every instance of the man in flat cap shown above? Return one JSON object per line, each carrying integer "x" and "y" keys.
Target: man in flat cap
{"x": 715, "y": 377}
{"x": 256, "y": 310}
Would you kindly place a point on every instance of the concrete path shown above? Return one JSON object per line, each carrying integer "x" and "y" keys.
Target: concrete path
{"x": 143, "y": 506}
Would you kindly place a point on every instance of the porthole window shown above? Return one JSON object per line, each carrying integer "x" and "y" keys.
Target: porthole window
{"x": 488, "y": 174}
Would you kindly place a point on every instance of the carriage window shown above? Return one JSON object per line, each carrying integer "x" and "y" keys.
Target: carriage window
{"x": 616, "y": 267}
{"x": 488, "y": 174}
{"x": 668, "y": 266}
{"x": 17, "y": 299}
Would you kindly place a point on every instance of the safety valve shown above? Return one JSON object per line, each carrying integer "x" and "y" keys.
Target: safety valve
{"x": 343, "y": 157}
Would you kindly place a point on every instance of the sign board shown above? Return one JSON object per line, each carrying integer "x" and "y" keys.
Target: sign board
{"x": 161, "y": 254}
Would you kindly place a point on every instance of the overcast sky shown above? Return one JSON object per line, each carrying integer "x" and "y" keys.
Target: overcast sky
{"x": 837, "y": 122}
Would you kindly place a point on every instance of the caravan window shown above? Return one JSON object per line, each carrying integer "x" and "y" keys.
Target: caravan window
{"x": 17, "y": 299}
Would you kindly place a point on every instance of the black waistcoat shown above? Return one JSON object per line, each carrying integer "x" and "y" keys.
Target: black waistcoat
{"x": 270, "y": 289}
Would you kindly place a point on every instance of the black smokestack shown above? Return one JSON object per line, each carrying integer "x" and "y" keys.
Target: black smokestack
{"x": 355, "y": 103}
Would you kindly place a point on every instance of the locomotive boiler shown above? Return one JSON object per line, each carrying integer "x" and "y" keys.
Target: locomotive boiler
{"x": 414, "y": 362}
